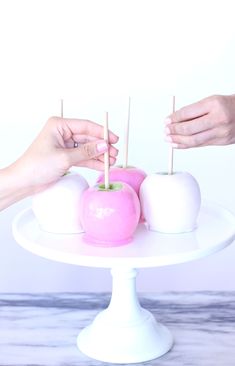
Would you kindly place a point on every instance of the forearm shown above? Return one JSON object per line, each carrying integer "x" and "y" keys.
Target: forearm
{"x": 11, "y": 190}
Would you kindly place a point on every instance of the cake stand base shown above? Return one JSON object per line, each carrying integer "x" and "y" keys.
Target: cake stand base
{"x": 124, "y": 332}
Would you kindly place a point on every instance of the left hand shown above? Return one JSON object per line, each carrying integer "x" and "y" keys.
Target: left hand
{"x": 52, "y": 153}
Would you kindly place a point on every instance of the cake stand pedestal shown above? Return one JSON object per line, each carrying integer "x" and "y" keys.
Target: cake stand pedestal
{"x": 125, "y": 332}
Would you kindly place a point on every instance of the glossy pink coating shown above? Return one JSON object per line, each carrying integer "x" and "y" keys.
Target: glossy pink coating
{"x": 130, "y": 175}
{"x": 110, "y": 217}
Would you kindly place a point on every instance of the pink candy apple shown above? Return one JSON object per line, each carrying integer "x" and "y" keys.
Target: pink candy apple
{"x": 110, "y": 216}
{"x": 130, "y": 175}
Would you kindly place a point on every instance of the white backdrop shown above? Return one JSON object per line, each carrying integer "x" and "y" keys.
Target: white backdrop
{"x": 93, "y": 54}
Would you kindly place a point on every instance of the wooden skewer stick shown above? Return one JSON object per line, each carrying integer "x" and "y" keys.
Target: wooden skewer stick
{"x": 61, "y": 108}
{"x": 171, "y": 149}
{"x": 106, "y": 154}
{"x": 126, "y": 142}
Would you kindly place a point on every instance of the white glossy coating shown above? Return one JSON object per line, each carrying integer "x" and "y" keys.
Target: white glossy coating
{"x": 57, "y": 208}
{"x": 170, "y": 202}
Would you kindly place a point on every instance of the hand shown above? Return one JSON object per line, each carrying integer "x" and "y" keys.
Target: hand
{"x": 52, "y": 153}
{"x": 210, "y": 121}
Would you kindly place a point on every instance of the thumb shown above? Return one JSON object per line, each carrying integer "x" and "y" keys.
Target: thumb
{"x": 87, "y": 151}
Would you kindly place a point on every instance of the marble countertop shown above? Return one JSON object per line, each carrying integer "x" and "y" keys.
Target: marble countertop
{"x": 41, "y": 329}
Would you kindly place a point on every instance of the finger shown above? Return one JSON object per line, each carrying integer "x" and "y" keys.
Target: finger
{"x": 92, "y": 164}
{"x": 189, "y": 112}
{"x": 81, "y": 139}
{"x": 71, "y": 142}
{"x": 112, "y": 160}
{"x": 113, "y": 151}
{"x": 190, "y": 127}
{"x": 199, "y": 139}
{"x": 95, "y": 164}
{"x": 86, "y": 151}
{"x": 85, "y": 127}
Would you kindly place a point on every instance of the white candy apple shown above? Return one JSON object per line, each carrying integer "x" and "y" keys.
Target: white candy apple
{"x": 170, "y": 202}
{"x": 57, "y": 208}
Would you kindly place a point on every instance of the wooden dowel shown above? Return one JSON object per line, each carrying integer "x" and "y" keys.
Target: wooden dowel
{"x": 171, "y": 149}
{"x": 126, "y": 141}
{"x": 61, "y": 108}
{"x": 106, "y": 154}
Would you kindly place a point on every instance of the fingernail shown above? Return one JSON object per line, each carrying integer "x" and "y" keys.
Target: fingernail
{"x": 168, "y": 139}
{"x": 168, "y": 121}
{"x": 102, "y": 147}
{"x": 167, "y": 131}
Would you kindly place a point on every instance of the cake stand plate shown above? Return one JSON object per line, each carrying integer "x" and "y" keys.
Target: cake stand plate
{"x": 125, "y": 332}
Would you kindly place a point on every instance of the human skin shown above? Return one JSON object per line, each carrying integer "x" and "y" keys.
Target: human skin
{"x": 211, "y": 121}
{"x": 51, "y": 155}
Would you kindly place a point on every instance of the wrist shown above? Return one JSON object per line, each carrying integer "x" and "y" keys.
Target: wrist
{"x": 12, "y": 189}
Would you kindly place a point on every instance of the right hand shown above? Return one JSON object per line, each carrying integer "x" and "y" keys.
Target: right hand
{"x": 211, "y": 121}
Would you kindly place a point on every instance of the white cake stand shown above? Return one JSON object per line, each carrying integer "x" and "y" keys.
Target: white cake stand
{"x": 125, "y": 332}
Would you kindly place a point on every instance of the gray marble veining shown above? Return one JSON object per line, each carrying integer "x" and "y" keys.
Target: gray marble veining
{"x": 41, "y": 329}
